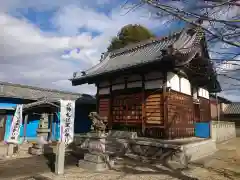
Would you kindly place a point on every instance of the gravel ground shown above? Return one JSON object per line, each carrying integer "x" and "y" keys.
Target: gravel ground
{"x": 223, "y": 165}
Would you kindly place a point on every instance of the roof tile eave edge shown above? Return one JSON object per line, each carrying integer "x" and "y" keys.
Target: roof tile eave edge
{"x": 38, "y": 88}
{"x": 112, "y": 71}
{"x": 94, "y": 68}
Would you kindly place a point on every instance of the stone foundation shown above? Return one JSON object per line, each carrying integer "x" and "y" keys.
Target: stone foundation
{"x": 36, "y": 149}
{"x": 198, "y": 150}
{"x": 95, "y": 162}
{"x": 97, "y": 158}
{"x": 179, "y": 150}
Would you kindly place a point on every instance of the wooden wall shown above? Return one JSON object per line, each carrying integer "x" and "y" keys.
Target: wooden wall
{"x": 127, "y": 109}
{"x": 180, "y": 115}
{"x": 154, "y": 108}
{"x": 104, "y": 107}
{"x": 205, "y": 111}
{"x": 138, "y": 100}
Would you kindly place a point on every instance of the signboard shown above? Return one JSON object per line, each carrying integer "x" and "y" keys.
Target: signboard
{"x": 67, "y": 115}
{"x": 15, "y": 125}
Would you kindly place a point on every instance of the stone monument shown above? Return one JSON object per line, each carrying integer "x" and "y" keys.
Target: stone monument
{"x": 42, "y": 134}
{"x": 96, "y": 158}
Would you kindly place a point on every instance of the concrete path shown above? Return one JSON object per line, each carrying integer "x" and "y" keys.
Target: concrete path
{"x": 223, "y": 165}
{"x": 225, "y": 161}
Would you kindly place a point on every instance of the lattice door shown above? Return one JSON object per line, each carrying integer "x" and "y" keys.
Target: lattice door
{"x": 127, "y": 108}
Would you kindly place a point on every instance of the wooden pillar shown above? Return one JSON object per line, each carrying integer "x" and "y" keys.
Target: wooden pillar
{"x": 165, "y": 106}
{"x": 110, "y": 106}
{"x": 25, "y": 127}
{"x": 97, "y": 99}
{"x": 143, "y": 105}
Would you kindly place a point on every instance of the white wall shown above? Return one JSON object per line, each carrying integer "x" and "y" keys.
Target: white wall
{"x": 153, "y": 80}
{"x": 203, "y": 93}
{"x": 179, "y": 84}
{"x": 118, "y": 86}
{"x": 173, "y": 81}
{"x": 185, "y": 86}
{"x": 222, "y": 130}
{"x": 104, "y": 90}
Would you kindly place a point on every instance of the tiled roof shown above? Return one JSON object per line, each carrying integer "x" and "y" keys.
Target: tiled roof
{"x": 34, "y": 93}
{"x": 184, "y": 42}
{"x": 233, "y": 108}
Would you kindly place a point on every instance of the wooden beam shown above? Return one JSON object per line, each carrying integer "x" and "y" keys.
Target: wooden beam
{"x": 143, "y": 105}
{"x": 165, "y": 104}
{"x": 110, "y": 107}
{"x": 97, "y": 97}
{"x": 125, "y": 82}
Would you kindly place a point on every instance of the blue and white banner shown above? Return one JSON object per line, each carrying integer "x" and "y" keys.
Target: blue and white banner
{"x": 67, "y": 116}
{"x": 15, "y": 125}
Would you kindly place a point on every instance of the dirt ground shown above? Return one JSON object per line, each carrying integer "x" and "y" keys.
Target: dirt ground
{"x": 223, "y": 165}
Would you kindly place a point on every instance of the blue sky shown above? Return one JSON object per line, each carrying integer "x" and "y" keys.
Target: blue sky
{"x": 44, "y": 41}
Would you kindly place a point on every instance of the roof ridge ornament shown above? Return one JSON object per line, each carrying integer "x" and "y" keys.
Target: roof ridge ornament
{"x": 74, "y": 74}
{"x": 83, "y": 73}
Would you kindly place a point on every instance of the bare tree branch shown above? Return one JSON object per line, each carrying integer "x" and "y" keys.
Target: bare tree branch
{"x": 171, "y": 10}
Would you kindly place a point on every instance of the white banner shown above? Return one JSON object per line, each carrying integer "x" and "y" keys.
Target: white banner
{"x": 15, "y": 125}
{"x": 67, "y": 115}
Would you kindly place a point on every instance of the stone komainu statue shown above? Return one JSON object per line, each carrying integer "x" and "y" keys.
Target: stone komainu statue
{"x": 97, "y": 122}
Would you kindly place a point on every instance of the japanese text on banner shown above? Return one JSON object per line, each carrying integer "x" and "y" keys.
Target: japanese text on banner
{"x": 67, "y": 115}
{"x": 15, "y": 126}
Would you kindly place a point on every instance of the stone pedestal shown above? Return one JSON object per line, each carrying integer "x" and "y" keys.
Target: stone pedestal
{"x": 36, "y": 149}
{"x": 42, "y": 134}
{"x": 97, "y": 158}
{"x": 10, "y": 150}
{"x": 95, "y": 162}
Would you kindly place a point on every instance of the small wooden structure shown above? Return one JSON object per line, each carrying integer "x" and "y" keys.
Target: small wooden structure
{"x": 159, "y": 87}
{"x": 13, "y": 94}
{"x": 43, "y": 106}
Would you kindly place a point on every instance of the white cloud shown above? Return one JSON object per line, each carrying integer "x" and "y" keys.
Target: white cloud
{"x": 107, "y": 26}
{"x": 31, "y": 56}
{"x": 15, "y": 33}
